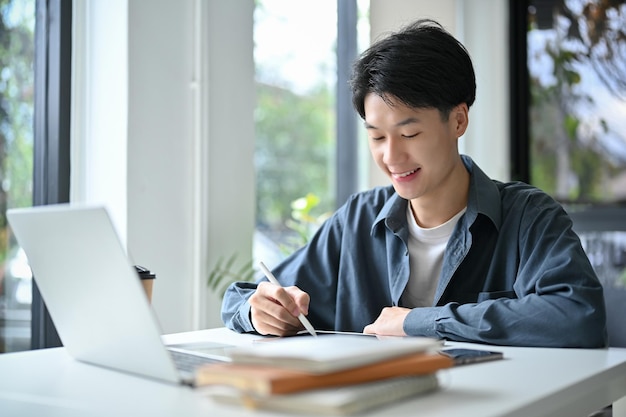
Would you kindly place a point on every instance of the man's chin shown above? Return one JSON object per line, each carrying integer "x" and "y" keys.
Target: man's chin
{"x": 404, "y": 193}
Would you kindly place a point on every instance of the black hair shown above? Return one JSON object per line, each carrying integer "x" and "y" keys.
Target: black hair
{"x": 422, "y": 65}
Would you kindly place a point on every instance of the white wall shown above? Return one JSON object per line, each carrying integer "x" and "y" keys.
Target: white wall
{"x": 163, "y": 131}
{"x": 164, "y": 99}
{"x": 481, "y": 25}
{"x": 229, "y": 101}
{"x": 485, "y": 35}
{"x": 100, "y": 106}
{"x": 160, "y": 145}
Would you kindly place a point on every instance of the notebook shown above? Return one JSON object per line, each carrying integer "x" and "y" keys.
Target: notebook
{"x": 94, "y": 296}
{"x": 349, "y": 399}
{"x": 330, "y": 352}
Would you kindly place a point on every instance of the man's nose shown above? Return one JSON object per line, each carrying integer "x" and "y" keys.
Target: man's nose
{"x": 394, "y": 150}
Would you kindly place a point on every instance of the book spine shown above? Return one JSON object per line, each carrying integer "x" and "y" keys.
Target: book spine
{"x": 267, "y": 380}
{"x": 413, "y": 366}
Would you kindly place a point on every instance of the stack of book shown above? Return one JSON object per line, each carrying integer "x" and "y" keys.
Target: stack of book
{"x": 330, "y": 374}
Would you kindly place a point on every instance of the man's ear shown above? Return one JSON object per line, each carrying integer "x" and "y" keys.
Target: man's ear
{"x": 460, "y": 117}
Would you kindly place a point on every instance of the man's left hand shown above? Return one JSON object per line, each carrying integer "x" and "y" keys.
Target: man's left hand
{"x": 389, "y": 322}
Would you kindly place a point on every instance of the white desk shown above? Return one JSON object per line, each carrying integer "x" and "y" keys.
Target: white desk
{"x": 529, "y": 382}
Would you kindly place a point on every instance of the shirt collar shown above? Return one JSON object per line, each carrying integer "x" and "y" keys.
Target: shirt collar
{"x": 392, "y": 214}
{"x": 483, "y": 198}
{"x": 484, "y": 195}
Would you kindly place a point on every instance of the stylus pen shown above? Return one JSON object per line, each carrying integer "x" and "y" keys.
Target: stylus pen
{"x": 273, "y": 280}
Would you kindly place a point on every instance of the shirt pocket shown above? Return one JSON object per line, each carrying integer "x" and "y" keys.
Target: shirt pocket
{"x": 493, "y": 295}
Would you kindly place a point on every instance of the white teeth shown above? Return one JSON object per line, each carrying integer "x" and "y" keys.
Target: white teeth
{"x": 405, "y": 174}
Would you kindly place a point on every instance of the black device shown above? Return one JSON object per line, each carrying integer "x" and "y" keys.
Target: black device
{"x": 463, "y": 356}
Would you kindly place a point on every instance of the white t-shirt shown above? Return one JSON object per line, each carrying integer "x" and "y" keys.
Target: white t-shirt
{"x": 426, "y": 248}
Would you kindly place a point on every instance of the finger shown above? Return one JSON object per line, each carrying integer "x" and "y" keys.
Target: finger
{"x": 279, "y": 295}
{"x": 274, "y": 312}
{"x": 267, "y": 324}
{"x": 300, "y": 298}
{"x": 270, "y": 317}
{"x": 369, "y": 329}
{"x": 389, "y": 323}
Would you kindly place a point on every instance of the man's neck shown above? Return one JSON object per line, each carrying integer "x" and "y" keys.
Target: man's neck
{"x": 436, "y": 209}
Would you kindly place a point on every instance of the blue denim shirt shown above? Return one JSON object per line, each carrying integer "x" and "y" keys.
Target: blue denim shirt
{"x": 514, "y": 272}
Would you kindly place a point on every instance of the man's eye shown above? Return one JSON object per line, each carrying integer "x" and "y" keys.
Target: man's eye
{"x": 410, "y": 136}
{"x": 377, "y": 138}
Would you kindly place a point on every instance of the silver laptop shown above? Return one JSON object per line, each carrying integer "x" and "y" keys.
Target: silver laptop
{"x": 94, "y": 295}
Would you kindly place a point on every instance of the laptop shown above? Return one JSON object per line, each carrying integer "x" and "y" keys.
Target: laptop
{"x": 94, "y": 295}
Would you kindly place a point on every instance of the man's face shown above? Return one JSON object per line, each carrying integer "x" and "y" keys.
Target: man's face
{"x": 415, "y": 148}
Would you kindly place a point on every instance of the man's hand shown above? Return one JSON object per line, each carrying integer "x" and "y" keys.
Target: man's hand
{"x": 389, "y": 322}
{"x": 274, "y": 310}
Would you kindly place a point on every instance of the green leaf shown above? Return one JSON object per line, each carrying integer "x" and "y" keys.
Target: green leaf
{"x": 225, "y": 272}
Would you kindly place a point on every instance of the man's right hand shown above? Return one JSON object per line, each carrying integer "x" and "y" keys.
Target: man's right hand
{"x": 274, "y": 309}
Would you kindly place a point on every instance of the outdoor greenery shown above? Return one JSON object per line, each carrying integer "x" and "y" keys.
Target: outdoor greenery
{"x": 294, "y": 148}
{"x": 294, "y": 138}
{"x": 570, "y": 155}
{"x": 302, "y": 221}
{"x": 226, "y": 271}
{"x": 16, "y": 110}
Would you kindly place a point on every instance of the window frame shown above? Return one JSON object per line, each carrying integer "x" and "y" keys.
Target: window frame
{"x": 51, "y": 159}
{"x": 53, "y": 73}
{"x": 520, "y": 91}
{"x": 347, "y": 145}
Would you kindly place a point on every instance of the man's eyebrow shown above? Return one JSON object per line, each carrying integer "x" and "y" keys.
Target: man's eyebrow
{"x": 408, "y": 121}
{"x": 404, "y": 122}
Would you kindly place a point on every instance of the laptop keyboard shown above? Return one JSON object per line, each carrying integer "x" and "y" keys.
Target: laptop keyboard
{"x": 189, "y": 363}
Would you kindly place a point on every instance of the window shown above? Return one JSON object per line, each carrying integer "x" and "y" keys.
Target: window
{"x": 576, "y": 90}
{"x": 35, "y": 45}
{"x": 296, "y": 121}
{"x": 568, "y": 72}
{"x": 17, "y": 23}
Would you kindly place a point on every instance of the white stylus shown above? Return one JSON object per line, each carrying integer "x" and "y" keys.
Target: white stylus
{"x": 273, "y": 280}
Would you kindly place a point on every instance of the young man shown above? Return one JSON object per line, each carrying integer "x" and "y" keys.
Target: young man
{"x": 445, "y": 251}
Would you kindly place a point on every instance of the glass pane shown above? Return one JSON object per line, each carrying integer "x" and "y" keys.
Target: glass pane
{"x": 607, "y": 254}
{"x": 295, "y": 63}
{"x": 577, "y": 68}
{"x": 17, "y": 21}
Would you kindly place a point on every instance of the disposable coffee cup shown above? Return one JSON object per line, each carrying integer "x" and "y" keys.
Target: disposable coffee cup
{"x": 147, "y": 280}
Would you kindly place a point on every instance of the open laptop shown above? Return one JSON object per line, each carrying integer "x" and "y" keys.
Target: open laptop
{"x": 94, "y": 295}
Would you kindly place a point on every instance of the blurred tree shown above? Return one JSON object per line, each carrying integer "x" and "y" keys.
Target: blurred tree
{"x": 571, "y": 160}
{"x": 294, "y": 148}
{"x": 601, "y": 30}
{"x": 17, "y": 21}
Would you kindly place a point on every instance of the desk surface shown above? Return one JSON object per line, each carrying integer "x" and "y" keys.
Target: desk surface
{"x": 528, "y": 382}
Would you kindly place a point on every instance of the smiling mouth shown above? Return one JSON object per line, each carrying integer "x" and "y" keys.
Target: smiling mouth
{"x": 405, "y": 174}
